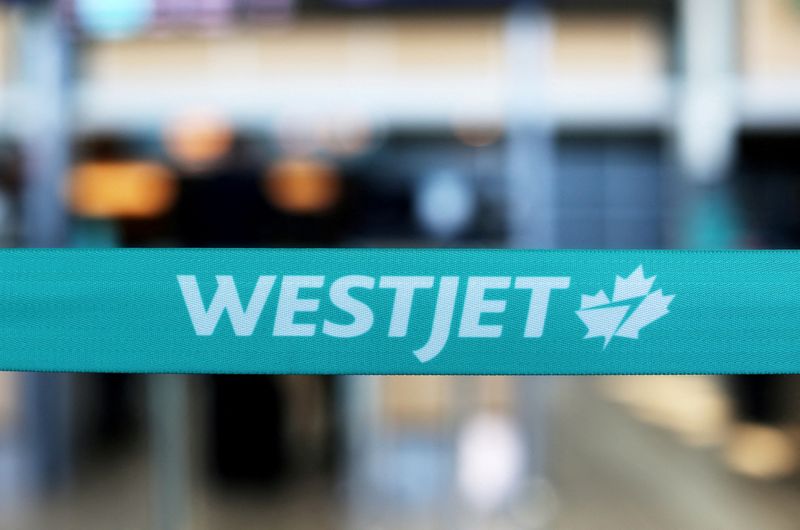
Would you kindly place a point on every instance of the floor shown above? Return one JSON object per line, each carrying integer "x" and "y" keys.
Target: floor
{"x": 607, "y": 469}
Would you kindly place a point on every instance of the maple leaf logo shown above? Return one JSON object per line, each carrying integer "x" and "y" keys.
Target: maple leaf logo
{"x": 614, "y": 318}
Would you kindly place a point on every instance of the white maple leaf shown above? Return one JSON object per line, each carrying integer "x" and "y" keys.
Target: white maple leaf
{"x": 654, "y": 306}
{"x": 607, "y": 319}
{"x": 634, "y": 286}
{"x": 603, "y": 321}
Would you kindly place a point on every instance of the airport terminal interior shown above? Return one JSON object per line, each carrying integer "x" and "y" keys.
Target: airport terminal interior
{"x": 640, "y": 124}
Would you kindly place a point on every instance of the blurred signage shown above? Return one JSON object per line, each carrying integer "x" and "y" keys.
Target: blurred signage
{"x": 125, "y": 18}
{"x": 428, "y": 4}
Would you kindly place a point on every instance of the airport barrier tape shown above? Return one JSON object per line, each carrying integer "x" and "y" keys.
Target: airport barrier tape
{"x": 400, "y": 311}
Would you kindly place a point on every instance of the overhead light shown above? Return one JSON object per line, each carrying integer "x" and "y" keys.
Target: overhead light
{"x": 121, "y": 189}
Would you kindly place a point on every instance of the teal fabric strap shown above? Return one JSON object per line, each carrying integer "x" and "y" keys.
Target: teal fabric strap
{"x": 400, "y": 311}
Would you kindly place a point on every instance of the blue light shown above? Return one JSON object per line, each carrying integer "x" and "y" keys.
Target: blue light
{"x": 113, "y": 19}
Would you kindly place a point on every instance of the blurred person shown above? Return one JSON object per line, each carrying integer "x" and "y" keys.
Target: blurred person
{"x": 10, "y": 189}
{"x": 220, "y": 205}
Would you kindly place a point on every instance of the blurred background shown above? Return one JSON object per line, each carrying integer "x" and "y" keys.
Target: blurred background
{"x": 541, "y": 124}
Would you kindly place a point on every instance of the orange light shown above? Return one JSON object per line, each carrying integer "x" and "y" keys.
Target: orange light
{"x": 198, "y": 140}
{"x": 303, "y": 186}
{"x": 132, "y": 189}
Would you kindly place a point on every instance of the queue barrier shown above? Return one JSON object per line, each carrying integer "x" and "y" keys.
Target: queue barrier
{"x": 400, "y": 311}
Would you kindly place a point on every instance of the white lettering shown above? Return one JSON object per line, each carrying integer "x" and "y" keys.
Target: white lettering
{"x": 476, "y": 304}
{"x": 289, "y": 304}
{"x": 361, "y": 313}
{"x": 225, "y": 298}
{"x": 540, "y": 287}
{"x": 442, "y": 319}
{"x": 404, "y": 287}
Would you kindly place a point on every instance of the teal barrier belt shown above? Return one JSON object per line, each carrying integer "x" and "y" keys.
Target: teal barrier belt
{"x": 400, "y": 311}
